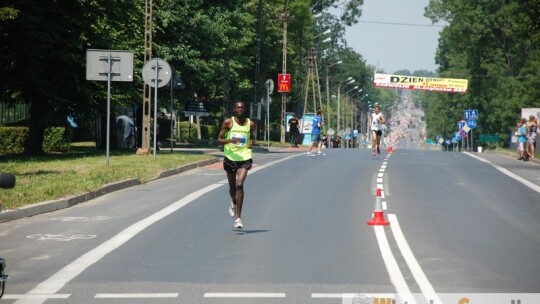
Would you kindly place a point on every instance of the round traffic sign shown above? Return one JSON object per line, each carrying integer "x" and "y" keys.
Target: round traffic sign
{"x": 471, "y": 123}
{"x": 162, "y": 76}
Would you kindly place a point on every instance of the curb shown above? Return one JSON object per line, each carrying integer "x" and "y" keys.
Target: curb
{"x": 49, "y": 206}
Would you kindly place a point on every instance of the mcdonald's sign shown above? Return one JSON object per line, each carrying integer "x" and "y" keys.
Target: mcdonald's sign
{"x": 284, "y": 83}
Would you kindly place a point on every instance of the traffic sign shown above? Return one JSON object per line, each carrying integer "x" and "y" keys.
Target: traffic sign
{"x": 489, "y": 138}
{"x": 284, "y": 83}
{"x": 468, "y": 114}
{"x": 269, "y": 86}
{"x": 471, "y": 123}
{"x": 461, "y": 124}
{"x": 156, "y": 72}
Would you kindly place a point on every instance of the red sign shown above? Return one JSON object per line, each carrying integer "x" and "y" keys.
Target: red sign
{"x": 284, "y": 83}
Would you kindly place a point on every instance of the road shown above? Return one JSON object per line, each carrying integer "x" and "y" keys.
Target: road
{"x": 457, "y": 225}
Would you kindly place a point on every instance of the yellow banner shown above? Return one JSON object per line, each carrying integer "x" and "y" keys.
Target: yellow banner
{"x": 450, "y": 85}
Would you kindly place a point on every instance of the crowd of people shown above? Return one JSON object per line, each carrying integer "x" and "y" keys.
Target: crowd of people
{"x": 526, "y": 132}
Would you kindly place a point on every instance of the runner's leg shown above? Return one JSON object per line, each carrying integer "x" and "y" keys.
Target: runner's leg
{"x": 241, "y": 173}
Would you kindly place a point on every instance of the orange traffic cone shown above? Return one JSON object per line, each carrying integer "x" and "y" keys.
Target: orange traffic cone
{"x": 378, "y": 215}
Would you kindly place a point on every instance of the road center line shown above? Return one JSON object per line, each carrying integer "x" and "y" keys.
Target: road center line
{"x": 396, "y": 277}
{"x": 414, "y": 266}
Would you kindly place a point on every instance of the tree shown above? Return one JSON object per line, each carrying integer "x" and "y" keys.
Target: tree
{"x": 496, "y": 46}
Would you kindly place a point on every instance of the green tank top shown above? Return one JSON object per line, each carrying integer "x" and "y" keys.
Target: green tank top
{"x": 240, "y": 151}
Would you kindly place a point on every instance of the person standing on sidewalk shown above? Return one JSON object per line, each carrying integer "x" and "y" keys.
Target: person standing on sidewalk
{"x": 532, "y": 130}
{"x": 294, "y": 133}
{"x": 236, "y": 136}
{"x": 377, "y": 122}
{"x": 521, "y": 133}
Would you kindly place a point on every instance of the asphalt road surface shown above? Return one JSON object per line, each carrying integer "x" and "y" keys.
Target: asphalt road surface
{"x": 459, "y": 223}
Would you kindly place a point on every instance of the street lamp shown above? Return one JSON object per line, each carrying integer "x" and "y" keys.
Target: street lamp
{"x": 328, "y": 90}
{"x": 346, "y": 82}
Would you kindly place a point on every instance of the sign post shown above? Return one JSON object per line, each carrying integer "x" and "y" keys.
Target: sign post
{"x": 100, "y": 66}
{"x": 156, "y": 73}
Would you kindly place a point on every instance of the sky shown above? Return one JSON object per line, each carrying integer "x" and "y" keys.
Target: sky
{"x": 395, "y": 47}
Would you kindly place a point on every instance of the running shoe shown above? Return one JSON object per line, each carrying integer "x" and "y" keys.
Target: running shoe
{"x": 310, "y": 154}
{"x": 373, "y": 153}
{"x": 238, "y": 224}
{"x": 232, "y": 209}
{"x": 320, "y": 153}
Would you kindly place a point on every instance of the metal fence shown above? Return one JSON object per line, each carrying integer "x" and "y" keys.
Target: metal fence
{"x": 10, "y": 113}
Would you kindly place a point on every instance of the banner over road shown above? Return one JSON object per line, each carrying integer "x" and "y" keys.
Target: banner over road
{"x": 449, "y": 85}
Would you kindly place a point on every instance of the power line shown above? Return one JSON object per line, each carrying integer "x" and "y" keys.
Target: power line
{"x": 403, "y": 24}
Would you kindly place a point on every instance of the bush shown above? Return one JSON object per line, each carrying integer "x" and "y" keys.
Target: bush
{"x": 55, "y": 140}
{"x": 12, "y": 140}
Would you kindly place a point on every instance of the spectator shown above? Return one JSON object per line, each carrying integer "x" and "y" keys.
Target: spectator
{"x": 294, "y": 133}
{"x": 521, "y": 133}
{"x": 531, "y": 136}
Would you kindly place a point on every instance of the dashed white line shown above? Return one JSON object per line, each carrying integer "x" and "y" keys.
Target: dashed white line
{"x": 135, "y": 295}
{"x": 35, "y": 296}
{"x": 243, "y": 295}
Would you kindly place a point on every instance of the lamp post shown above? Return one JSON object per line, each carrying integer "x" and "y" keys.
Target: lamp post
{"x": 351, "y": 112}
{"x": 328, "y": 90}
{"x": 346, "y": 82}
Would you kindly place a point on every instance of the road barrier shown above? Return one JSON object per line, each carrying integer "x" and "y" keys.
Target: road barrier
{"x": 378, "y": 216}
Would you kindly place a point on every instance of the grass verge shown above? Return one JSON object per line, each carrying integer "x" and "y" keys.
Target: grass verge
{"x": 81, "y": 170}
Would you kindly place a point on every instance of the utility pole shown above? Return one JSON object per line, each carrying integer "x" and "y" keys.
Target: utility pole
{"x": 285, "y": 19}
{"x": 313, "y": 78}
{"x": 147, "y": 102}
{"x": 258, "y": 58}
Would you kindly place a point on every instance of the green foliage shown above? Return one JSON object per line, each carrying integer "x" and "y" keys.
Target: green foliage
{"x": 187, "y": 131}
{"x": 12, "y": 140}
{"x": 55, "y": 140}
{"x": 496, "y": 46}
{"x": 212, "y": 45}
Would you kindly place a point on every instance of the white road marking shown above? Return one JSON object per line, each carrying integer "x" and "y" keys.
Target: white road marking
{"x": 379, "y": 180}
{"x": 350, "y": 295}
{"x": 58, "y": 280}
{"x": 507, "y": 172}
{"x": 414, "y": 266}
{"x": 392, "y": 267}
{"x": 380, "y": 174}
{"x": 135, "y": 295}
{"x": 244, "y": 295}
{"x": 60, "y": 237}
{"x": 35, "y": 296}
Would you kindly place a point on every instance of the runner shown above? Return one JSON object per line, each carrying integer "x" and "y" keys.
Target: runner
{"x": 236, "y": 136}
{"x": 316, "y": 134}
{"x": 377, "y": 122}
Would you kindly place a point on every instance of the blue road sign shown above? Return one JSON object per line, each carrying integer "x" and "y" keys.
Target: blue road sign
{"x": 461, "y": 124}
{"x": 471, "y": 123}
{"x": 468, "y": 114}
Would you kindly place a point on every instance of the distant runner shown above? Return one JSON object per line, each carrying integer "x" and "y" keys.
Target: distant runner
{"x": 377, "y": 122}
